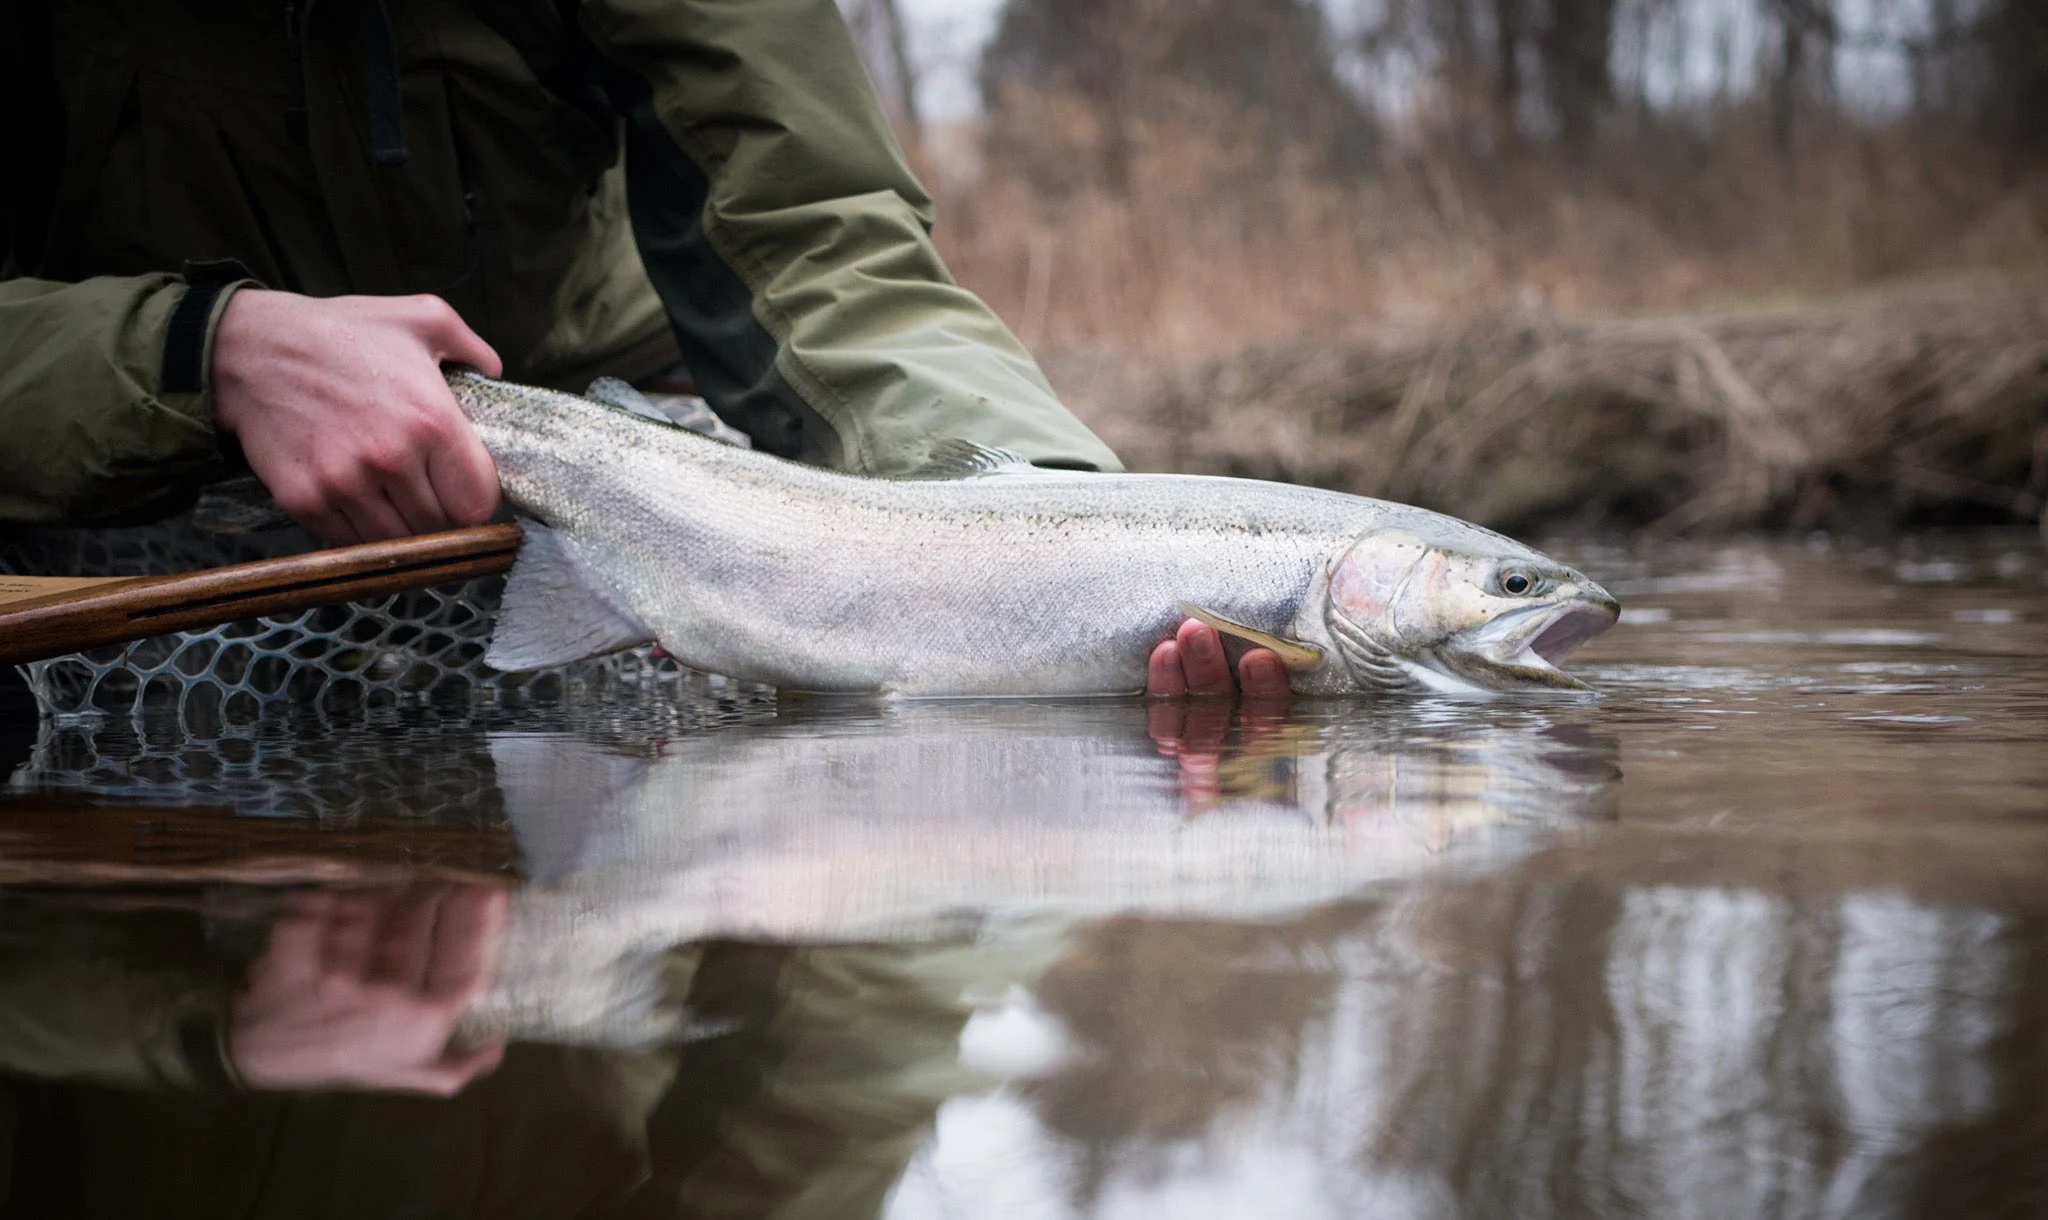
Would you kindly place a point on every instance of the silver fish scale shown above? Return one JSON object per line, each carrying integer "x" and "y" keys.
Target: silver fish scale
{"x": 747, "y": 565}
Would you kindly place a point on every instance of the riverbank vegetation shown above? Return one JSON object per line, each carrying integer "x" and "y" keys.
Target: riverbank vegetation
{"x": 1684, "y": 264}
{"x": 1923, "y": 404}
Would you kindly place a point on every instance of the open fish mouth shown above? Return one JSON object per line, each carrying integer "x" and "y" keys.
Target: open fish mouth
{"x": 1573, "y": 626}
{"x": 1520, "y": 651}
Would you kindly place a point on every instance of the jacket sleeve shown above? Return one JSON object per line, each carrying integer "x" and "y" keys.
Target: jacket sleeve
{"x": 790, "y": 243}
{"x": 87, "y": 434}
{"x": 120, "y": 998}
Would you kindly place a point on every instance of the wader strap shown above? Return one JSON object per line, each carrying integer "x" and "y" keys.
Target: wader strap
{"x": 380, "y": 83}
{"x": 296, "y": 14}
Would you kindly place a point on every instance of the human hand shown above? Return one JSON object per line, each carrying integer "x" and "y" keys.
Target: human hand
{"x": 362, "y": 989}
{"x": 1194, "y": 733}
{"x": 341, "y": 409}
{"x": 1193, "y": 663}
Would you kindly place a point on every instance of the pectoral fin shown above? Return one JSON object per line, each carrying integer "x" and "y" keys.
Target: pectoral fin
{"x": 1294, "y": 654}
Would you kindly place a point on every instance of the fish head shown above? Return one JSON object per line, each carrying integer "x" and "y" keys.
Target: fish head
{"x": 1461, "y": 610}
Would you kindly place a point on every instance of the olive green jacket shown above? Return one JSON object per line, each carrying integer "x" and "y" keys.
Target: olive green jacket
{"x": 829, "y": 1068}
{"x": 597, "y": 188}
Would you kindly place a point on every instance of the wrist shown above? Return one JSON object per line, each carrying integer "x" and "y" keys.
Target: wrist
{"x": 233, "y": 346}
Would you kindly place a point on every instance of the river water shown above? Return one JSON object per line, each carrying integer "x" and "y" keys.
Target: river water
{"x": 1760, "y": 931}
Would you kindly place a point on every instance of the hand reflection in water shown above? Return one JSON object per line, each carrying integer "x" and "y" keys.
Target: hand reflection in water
{"x": 1193, "y": 732}
{"x": 362, "y": 989}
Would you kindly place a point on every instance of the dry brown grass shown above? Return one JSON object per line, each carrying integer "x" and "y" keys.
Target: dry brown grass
{"x": 1215, "y": 242}
{"x": 1685, "y": 337}
{"x": 1910, "y": 406}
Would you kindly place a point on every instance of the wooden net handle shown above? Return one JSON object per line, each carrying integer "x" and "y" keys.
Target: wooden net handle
{"x": 50, "y": 616}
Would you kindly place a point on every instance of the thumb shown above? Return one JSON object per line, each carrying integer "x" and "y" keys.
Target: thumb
{"x": 475, "y": 1061}
{"x": 447, "y": 1076}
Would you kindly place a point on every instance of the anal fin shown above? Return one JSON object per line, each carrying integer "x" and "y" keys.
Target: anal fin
{"x": 555, "y": 610}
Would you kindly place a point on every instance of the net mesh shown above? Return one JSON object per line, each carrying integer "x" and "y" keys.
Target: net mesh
{"x": 362, "y": 767}
{"x": 421, "y": 646}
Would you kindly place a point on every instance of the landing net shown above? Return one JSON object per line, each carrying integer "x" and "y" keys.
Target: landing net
{"x": 420, "y": 646}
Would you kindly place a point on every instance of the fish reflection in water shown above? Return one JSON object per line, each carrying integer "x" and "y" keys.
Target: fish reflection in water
{"x": 938, "y": 820}
{"x": 1011, "y": 960}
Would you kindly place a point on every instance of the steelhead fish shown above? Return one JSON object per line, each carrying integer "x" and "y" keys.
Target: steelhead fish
{"x": 985, "y": 575}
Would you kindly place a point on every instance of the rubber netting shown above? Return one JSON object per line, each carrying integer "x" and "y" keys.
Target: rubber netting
{"x": 426, "y": 645}
{"x": 353, "y": 765}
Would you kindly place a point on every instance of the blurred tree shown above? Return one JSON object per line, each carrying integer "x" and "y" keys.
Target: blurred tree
{"x": 1804, "y": 70}
{"x": 1507, "y": 71}
{"x": 1509, "y": 21}
{"x": 1269, "y": 60}
{"x": 2014, "y": 35}
{"x": 878, "y": 31}
{"x": 1575, "y": 48}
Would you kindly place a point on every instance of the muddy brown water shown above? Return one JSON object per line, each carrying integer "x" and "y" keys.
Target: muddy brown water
{"x": 1761, "y": 931}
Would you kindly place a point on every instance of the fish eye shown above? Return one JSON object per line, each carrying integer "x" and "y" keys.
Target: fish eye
{"x": 1518, "y": 582}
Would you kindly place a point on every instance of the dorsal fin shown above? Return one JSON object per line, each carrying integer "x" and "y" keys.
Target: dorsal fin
{"x": 613, "y": 392}
{"x": 685, "y": 411}
{"x": 955, "y": 458}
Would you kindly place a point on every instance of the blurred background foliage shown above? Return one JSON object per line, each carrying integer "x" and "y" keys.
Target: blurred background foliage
{"x": 1685, "y": 264}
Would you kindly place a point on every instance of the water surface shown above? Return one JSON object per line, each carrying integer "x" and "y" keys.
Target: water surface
{"x": 1761, "y": 931}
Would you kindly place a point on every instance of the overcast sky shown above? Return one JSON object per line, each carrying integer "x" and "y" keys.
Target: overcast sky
{"x": 1682, "y": 57}
{"x": 946, "y": 41}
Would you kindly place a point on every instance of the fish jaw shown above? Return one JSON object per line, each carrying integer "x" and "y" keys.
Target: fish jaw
{"x": 1522, "y": 650}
